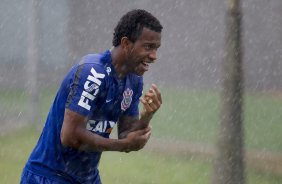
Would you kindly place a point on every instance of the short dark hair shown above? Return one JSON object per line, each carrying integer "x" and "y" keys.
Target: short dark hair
{"x": 132, "y": 23}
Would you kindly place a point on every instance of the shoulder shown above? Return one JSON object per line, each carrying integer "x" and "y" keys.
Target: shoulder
{"x": 92, "y": 60}
{"x": 95, "y": 64}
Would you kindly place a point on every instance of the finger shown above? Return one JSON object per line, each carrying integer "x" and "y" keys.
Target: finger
{"x": 148, "y": 134}
{"x": 144, "y": 101}
{"x": 157, "y": 92}
{"x": 149, "y": 95}
{"x": 155, "y": 103}
{"x": 154, "y": 93}
{"x": 150, "y": 91}
{"x": 143, "y": 131}
{"x": 146, "y": 137}
{"x": 147, "y": 129}
{"x": 146, "y": 105}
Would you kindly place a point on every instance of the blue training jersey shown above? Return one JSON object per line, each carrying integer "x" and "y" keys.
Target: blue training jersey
{"x": 92, "y": 89}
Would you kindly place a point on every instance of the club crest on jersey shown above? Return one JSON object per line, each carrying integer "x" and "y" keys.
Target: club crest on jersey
{"x": 127, "y": 98}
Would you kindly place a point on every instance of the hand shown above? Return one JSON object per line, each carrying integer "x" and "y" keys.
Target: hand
{"x": 136, "y": 140}
{"x": 151, "y": 101}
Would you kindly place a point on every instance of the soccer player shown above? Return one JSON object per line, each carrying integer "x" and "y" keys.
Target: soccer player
{"x": 101, "y": 90}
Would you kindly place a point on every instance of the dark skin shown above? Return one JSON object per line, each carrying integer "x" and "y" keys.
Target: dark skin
{"x": 133, "y": 132}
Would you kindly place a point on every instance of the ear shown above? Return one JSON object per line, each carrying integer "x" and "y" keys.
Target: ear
{"x": 126, "y": 44}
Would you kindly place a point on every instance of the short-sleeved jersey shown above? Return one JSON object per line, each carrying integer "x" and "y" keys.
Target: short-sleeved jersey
{"x": 92, "y": 89}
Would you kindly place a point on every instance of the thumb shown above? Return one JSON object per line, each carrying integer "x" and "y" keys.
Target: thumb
{"x": 148, "y": 135}
{"x": 143, "y": 131}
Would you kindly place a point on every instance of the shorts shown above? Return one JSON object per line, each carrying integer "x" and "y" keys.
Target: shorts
{"x": 31, "y": 178}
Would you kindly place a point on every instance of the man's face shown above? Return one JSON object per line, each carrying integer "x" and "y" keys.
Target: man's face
{"x": 144, "y": 51}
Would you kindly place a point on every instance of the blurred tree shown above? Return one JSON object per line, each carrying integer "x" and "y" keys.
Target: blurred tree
{"x": 229, "y": 158}
{"x": 32, "y": 65}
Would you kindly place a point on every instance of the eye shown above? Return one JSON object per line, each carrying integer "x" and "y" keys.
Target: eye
{"x": 148, "y": 46}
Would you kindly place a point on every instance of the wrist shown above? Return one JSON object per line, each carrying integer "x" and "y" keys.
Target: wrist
{"x": 123, "y": 145}
{"x": 146, "y": 117}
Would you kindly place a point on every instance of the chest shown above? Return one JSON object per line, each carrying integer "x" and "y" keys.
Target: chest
{"x": 115, "y": 99}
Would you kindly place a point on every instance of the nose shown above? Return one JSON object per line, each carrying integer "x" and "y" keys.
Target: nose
{"x": 153, "y": 55}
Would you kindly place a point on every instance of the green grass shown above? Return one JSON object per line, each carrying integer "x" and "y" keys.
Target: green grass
{"x": 263, "y": 122}
{"x": 15, "y": 149}
{"x": 148, "y": 168}
{"x": 121, "y": 168}
{"x": 193, "y": 116}
{"x": 190, "y": 115}
{"x": 12, "y": 104}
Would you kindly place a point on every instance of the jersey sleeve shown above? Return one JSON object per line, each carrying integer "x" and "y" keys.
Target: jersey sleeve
{"x": 133, "y": 110}
{"x": 85, "y": 88}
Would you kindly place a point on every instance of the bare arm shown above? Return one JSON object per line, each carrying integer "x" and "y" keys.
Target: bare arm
{"x": 74, "y": 134}
{"x": 151, "y": 101}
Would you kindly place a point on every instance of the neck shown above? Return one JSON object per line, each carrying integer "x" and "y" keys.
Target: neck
{"x": 118, "y": 60}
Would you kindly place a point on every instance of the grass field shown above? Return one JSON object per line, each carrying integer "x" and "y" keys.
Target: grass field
{"x": 193, "y": 116}
{"x": 185, "y": 115}
{"x": 120, "y": 168}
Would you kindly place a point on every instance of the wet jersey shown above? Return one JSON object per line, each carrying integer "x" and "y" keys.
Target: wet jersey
{"x": 92, "y": 89}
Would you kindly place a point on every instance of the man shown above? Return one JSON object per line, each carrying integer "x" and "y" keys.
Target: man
{"x": 98, "y": 92}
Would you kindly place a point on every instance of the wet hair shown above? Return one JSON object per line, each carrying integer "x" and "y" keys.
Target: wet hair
{"x": 132, "y": 23}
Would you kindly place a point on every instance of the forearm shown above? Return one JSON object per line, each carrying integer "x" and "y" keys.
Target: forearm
{"x": 151, "y": 101}
{"x": 142, "y": 123}
{"x": 74, "y": 134}
{"x": 87, "y": 141}
{"x": 135, "y": 124}
{"x": 92, "y": 142}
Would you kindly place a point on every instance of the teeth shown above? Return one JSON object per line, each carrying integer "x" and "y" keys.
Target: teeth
{"x": 147, "y": 64}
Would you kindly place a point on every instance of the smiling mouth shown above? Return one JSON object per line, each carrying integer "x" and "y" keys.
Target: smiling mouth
{"x": 145, "y": 65}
